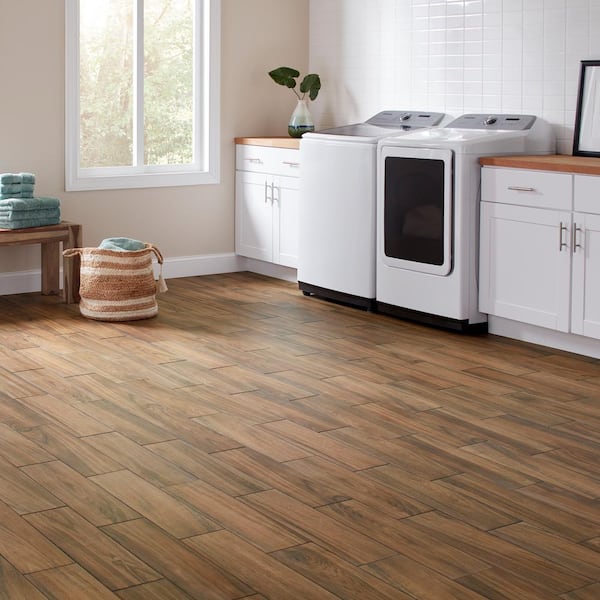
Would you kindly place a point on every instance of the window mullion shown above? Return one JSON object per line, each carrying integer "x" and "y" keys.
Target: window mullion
{"x": 138, "y": 85}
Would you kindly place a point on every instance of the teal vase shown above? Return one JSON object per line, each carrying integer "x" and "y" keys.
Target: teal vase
{"x": 300, "y": 121}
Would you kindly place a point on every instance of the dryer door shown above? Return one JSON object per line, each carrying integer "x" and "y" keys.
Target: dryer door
{"x": 416, "y": 218}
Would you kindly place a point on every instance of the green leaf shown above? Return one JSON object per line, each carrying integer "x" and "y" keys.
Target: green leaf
{"x": 311, "y": 84}
{"x": 284, "y": 76}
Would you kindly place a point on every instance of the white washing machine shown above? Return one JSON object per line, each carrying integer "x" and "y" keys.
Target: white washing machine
{"x": 336, "y": 214}
{"x": 428, "y": 197}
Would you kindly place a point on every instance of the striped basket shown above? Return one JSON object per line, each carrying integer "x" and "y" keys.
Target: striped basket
{"x": 118, "y": 285}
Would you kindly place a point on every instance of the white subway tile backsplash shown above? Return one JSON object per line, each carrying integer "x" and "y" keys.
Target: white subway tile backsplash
{"x": 473, "y": 7}
{"x": 454, "y": 56}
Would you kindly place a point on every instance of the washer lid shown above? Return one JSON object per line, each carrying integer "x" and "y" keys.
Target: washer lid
{"x": 387, "y": 122}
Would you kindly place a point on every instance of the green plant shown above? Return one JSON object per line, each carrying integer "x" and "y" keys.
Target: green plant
{"x": 311, "y": 84}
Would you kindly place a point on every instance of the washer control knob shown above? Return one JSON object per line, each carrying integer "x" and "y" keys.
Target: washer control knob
{"x": 405, "y": 117}
{"x": 490, "y": 120}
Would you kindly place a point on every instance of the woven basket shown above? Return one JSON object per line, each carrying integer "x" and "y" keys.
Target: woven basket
{"x": 118, "y": 285}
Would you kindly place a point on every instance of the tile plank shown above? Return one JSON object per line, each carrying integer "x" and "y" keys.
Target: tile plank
{"x": 71, "y": 581}
{"x": 114, "y": 566}
{"x": 81, "y": 494}
{"x": 261, "y": 571}
{"x": 24, "y": 547}
{"x": 154, "y": 504}
{"x": 197, "y": 576}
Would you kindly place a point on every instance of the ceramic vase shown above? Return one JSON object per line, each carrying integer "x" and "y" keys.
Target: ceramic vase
{"x": 300, "y": 121}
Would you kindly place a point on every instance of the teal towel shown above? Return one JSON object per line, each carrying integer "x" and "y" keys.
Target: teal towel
{"x": 8, "y": 178}
{"x": 29, "y": 203}
{"x": 27, "y": 223}
{"x": 30, "y": 218}
{"x": 27, "y": 187}
{"x": 121, "y": 244}
{"x": 11, "y": 188}
{"x": 27, "y": 177}
{"x": 27, "y": 194}
{"x": 10, "y": 196}
{"x": 23, "y": 215}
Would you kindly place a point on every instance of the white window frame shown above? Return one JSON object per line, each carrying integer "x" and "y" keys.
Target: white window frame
{"x": 205, "y": 169}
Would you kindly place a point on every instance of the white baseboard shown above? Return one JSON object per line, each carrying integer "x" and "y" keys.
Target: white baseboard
{"x": 569, "y": 342}
{"x": 20, "y": 282}
{"x": 268, "y": 269}
{"x": 23, "y": 282}
{"x": 209, "y": 264}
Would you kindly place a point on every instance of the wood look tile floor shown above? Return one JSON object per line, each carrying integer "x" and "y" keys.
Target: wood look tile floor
{"x": 253, "y": 443}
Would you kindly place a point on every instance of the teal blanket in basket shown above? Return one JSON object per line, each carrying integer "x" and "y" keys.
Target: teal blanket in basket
{"x": 121, "y": 244}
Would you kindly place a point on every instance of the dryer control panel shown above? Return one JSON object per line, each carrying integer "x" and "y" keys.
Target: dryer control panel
{"x": 493, "y": 122}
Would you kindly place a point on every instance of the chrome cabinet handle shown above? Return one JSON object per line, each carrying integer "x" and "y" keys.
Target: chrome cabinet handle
{"x": 254, "y": 160}
{"x": 520, "y": 188}
{"x": 290, "y": 163}
{"x": 266, "y": 191}
{"x": 576, "y": 244}
{"x": 561, "y": 244}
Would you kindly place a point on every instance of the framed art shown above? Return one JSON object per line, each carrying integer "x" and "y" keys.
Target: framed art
{"x": 586, "y": 141}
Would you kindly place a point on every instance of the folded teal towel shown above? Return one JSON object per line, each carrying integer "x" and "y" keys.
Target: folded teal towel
{"x": 22, "y": 215}
{"x": 27, "y": 223}
{"x": 11, "y": 188}
{"x": 27, "y": 187}
{"x": 27, "y": 194}
{"x": 7, "y": 178}
{"x": 121, "y": 244}
{"x": 27, "y": 177}
{"x": 29, "y": 203}
{"x": 10, "y": 196}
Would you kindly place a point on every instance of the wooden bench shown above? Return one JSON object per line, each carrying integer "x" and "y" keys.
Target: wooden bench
{"x": 51, "y": 237}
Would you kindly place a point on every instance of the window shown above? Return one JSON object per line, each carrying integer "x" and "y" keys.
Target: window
{"x": 142, "y": 93}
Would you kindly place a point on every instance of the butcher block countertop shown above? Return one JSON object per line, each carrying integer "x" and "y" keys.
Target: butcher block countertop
{"x": 550, "y": 162}
{"x": 273, "y": 142}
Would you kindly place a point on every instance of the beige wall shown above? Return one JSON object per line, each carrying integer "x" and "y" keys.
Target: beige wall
{"x": 256, "y": 36}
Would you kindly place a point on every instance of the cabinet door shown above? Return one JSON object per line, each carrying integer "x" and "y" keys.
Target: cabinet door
{"x": 525, "y": 264}
{"x": 254, "y": 215}
{"x": 285, "y": 218}
{"x": 586, "y": 275}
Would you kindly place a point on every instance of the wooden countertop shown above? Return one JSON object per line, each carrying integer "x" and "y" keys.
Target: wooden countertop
{"x": 273, "y": 142}
{"x": 550, "y": 162}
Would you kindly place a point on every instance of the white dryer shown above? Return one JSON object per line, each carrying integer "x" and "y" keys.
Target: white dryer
{"x": 428, "y": 214}
{"x": 336, "y": 213}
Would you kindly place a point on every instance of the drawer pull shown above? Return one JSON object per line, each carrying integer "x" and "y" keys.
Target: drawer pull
{"x": 254, "y": 160}
{"x": 290, "y": 163}
{"x": 520, "y": 188}
{"x": 576, "y": 244}
{"x": 561, "y": 244}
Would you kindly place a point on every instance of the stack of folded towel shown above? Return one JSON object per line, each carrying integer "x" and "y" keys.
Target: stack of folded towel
{"x": 16, "y": 185}
{"x": 20, "y": 213}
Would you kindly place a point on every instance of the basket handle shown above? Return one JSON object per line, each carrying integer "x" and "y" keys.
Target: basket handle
{"x": 70, "y": 252}
{"x": 161, "y": 286}
{"x": 156, "y": 251}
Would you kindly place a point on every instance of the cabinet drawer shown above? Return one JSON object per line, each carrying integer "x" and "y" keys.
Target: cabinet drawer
{"x": 587, "y": 194}
{"x": 539, "y": 189}
{"x": 264, "y": 159}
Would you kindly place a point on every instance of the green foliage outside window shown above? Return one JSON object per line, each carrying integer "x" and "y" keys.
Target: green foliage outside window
{"x": 106, "y": 82}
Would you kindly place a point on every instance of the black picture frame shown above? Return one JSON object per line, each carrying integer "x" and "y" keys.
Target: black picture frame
{"x": 586, "y": 141}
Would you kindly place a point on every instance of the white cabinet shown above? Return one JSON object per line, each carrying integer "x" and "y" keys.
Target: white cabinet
{"x": 540, "y": 249}
{"x": 586, "y": 257}
{"x": 266, "y": 203}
